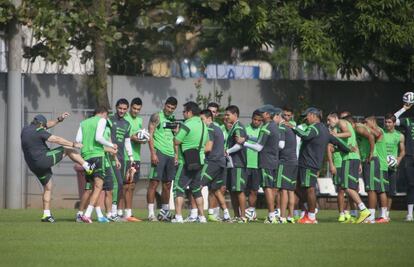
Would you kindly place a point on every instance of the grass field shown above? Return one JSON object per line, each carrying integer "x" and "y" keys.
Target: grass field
{"x": 25, "y": 241}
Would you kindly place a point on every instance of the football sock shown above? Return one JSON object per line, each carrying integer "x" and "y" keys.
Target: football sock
{"x": 88, "y": 211}
{"x": 341, "y": 213}
{"x": 109, "y": 214}
{"x": 194, "y": 213}
{"x": 178, "y": 217}
{"x": 210, "y": 211}
{"x": 354, "y": 213}
{"x": 128, "y": 213}
{"x": 372, "y": 216}
{"x": 165, "y": 207}
{"x": 114, "y": 209}
{"x": 150, "y": 209}
{"x": 271, "y": 215}
{"x": 80, "y": 213}
{"x": 384, "y": 212}
{"x": 226, "y": 214}
{"x": 46, "y": 213}
{"x": 120, "y": 212}
{"x": 98, "y": 212}
{"x": 361, "y": 206}
{"x": 277, "y": 211}
{"x": 410, "y": 210}
{"x": 217, "y": 211}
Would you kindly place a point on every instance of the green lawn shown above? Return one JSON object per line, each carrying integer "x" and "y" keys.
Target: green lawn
{"x": 28, "y": 242}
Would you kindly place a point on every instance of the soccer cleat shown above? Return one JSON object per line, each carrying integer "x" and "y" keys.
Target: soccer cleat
{"x": 271, "y": 221}
{"x": 164, "y": 216}
{"x": 133, "y": 219}
{"x": 306, "y": 220}
{"x": 190, "y": 219}
{"x": 114, "y": 218}
{"x": 78, "y": 218}
{"x": 363, "y": 215}
{"x": 91, "y": 169}
{"x": 227, "y": 220}
{"x": 283, "y": 220}
{"x": 49, "y": 219}
{"x": 290, "y": 220}
{"x": 152, "y": 218}
{"x": 175, "y": 220}
{"x": 350, "y": 219}
{"x": 201, "y": 219}
{"x": 341, "y": 218}
{"x": 242, "y": 220}
{"x": 382, "y": 220}
{"x": 103, "y": 220}
{"x": 86, "y": 219}
{"x": 409, "y": 218}
{"x": 213, "y": 218}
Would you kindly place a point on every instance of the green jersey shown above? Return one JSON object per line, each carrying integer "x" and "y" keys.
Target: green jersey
{"x": 337, "y": 159}
{"x": 252, "y": 155}
{"x": 392, "y": 142}
{"x": 190, "y": 134}
{"x": 164, "y": 137}
{"x": 350, "y": 142}
{"x": 381, "y": 149}
{"x": 136, "y": 125}
{"x": 91, "y": 148}
{"x": 363, "y": 144}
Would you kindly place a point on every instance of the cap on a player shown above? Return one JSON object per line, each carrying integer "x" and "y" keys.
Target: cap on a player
{"x": 270, "y": 109}
{"x": 311, "y": 110}
{"x": 40, "y": 118}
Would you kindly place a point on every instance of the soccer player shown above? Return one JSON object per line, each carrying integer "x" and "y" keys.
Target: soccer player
{"x": 381, "y": 149}
{"x": 40, "y": 158}
{"x": 314, "y": 142}
{"x": 163, "y": 158}
{"x": 287, "y": 171}
{"x": 252, "y": 171}
{"x": 408, "y": 126}
{"x": 190, "y": 141}
{"x": 136, "y": 124}
{"x": 268, "y": 146}
{"x": 120, "y": 136}
{"x": 91, "y": 134}
{"x": 394, "y": 141}
{"x": 236, "y": 156}
{"x": 350, "y": 163}
{"x": 214, "y": 170}
{"x": 288, "y": 115}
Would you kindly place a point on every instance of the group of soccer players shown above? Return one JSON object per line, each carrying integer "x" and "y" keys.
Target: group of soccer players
{"x": 272, "y": 152}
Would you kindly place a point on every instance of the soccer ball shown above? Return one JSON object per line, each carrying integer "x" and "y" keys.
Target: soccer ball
{"x": 408, "y": 98}
{"x": 164, "y": 216}
{"x": 143, "y": 135}
{"x": 391, "y": 160}
{"x": 250, "y": 215}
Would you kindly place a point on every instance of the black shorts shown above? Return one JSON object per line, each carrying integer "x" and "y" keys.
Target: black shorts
{"x": 268, "y": 178}
{"x": 164, "y": 170}
{"x": 307, "y": 177}
{"x": 109, "y": 179}
{"x": 286, "y": 177}
{"x": 184, "y": 178}
{"x": 350, "y": 174}
{"x": 137, "y": 166}
{"x": 236, "y": 179}
{"x": 372, "y": 174}
{"x": 337, "y": 179}
{"x": 99, "y": 171}
{"x": 42, "y": 168}
{"x": 213, "y": 175}
{"x": 253, "y": 179}
{"x": 409, "y": 169}
{"x": 392, "y": 179}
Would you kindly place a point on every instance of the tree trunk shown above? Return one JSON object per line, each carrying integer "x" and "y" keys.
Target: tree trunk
{"x": 100, "y": 72}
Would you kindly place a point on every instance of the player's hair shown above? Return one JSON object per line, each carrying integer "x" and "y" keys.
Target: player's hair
{"x": 287, "y": 108}
{"x": 136, "y": 101}
{"x": 213, "y": 105}
{"x": 370, "y": 117}
{"x": 100, "y": 109}
{"x": 122, "y": 101}
{"x": 37, "y": 123}
{"x": 333, "y": 114}
{"x": 390, "y": 116}
{"x": 207, "y": 113}
{"x": 346, "y": 115}
{"x": 233, "y": 109}
{"x": 193, "y": 107}
{"x": 171, "y": 101}
{"x": 256, "y": 113}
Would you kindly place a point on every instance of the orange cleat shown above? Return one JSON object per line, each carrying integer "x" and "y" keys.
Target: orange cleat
{"x": 382, "y": 220}
{"x": 133, "y": 219}
{"x": 306, "y": 220}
